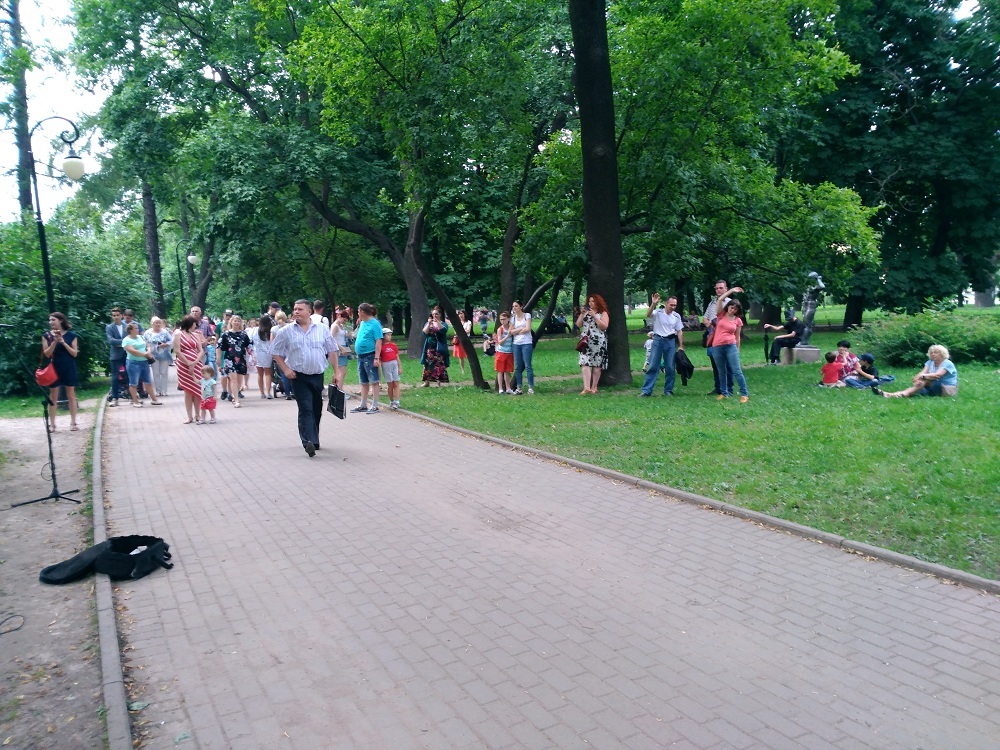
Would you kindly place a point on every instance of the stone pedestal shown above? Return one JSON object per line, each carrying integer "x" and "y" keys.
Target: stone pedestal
{"x": 800, "y": 355}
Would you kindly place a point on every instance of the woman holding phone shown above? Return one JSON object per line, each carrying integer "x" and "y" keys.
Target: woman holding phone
{"x": 61, "y": 345}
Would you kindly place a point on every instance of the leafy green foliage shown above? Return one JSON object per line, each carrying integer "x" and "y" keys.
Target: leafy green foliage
{"x": 913, "y": 131}
{"x": 903, "y": 340}
{"x": 90, "y": 274}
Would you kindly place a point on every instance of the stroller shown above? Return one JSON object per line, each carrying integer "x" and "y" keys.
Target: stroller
{"x": 279, "y": 383}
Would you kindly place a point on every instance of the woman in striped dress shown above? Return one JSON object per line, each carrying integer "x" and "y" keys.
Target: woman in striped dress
{"x": 189, "y": 351}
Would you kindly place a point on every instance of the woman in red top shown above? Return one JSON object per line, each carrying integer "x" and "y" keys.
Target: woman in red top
{"x": 189, "y": 351}
{"x": 726, "y": 350}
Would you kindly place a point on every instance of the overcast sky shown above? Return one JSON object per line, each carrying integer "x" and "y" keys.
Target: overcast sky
{"x": 50, "y": 92}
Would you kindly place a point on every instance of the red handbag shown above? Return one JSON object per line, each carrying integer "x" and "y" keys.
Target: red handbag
{"x": 46, "y": 376}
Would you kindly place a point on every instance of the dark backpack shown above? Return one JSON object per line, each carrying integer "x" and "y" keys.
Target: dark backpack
{"x": 120, "y": 557}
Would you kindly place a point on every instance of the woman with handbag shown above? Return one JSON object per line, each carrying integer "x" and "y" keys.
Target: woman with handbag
{"x": 61, "y": 346}
{"x": 159, "y": 341}
{"x": 593, "y": 344}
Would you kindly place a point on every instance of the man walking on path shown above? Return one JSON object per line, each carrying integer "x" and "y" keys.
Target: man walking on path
{"x": 302, "y": 351}
{"x": 668, "y": 337}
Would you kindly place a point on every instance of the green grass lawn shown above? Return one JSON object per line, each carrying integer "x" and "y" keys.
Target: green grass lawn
{"x": 918, "y": 476}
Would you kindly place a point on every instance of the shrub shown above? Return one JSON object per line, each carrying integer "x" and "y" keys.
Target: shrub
{"x": 903, "y": 340}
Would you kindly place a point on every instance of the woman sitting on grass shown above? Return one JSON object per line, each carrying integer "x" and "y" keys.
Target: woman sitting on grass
{"x": 938, "y": 378}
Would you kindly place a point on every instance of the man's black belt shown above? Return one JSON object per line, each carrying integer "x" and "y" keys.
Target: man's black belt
{"x": 671, "y": 336}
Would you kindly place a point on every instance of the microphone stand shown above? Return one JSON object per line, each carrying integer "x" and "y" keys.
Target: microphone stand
{"x": 55, "y": 494}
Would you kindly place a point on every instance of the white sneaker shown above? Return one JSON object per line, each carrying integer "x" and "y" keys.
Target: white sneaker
{"x": 531, "y": 391}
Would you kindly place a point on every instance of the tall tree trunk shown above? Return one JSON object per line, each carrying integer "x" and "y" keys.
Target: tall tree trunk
{"x": 508, "y": 274}
{"x": 987, "y": 298}
{"x": 414, "y": 243}
{"x": 152, "y": 242}
{"x": 401, "y": 260}
{"x": 854, "y": 310}
{"x": 772, "y": 314}
{"x": 602, "y": 221}
{"x": 19, "y": 107}
{"x": 415, "y": 289}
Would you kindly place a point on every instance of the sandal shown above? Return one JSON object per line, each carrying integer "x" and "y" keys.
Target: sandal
{"x": 156, "y": 403}
{"x": 73, "y": 427}
{"x": 236, "y": 405}
{"x": 187, "y": 421}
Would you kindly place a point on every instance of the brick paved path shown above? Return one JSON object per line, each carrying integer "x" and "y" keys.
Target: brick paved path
{"x": 412, "y": 587}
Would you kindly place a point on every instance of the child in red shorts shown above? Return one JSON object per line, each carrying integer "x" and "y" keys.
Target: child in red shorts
{"x": 208, "y": 402}
{"x": 503, "y": 362}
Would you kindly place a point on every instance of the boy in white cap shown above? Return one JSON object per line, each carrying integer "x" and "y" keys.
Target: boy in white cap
{"x": 390, "y": 368}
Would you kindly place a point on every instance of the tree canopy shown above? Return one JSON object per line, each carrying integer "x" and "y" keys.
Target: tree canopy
{"x": 411, "y": 152}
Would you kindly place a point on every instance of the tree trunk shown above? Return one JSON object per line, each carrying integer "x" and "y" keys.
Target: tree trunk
{"x": 508, "y": 274}
{"x": 414, "y": 243}
{"x": 555, "y": 285}
{"x": 602, "y": 221}
{"x": 402, "y": 261}
{"x": 415, "y": 289}
{"x": 855, "y": 309}
{"x": 771, "y": 315}
{"x": 987, "y": 298}
{"x": 152, "y": 242}
{"x": 199, "y": 290}
{"x": 19, "y": 107}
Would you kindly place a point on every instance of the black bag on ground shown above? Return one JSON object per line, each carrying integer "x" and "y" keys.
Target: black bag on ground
{"x": 79, "y": 566}
{"x": 120, "y": 557}
{"x": 133, "y": 557}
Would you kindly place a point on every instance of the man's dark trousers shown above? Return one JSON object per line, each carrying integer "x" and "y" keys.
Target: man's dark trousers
{"x": 777, "y": 345}
{"x": 309, "y": 397}
{"x": 715, "y": 372}
{"x": 116, "y": 385}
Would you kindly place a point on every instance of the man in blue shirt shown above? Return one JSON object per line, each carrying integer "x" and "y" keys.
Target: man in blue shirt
{"x": 368, "y": 347}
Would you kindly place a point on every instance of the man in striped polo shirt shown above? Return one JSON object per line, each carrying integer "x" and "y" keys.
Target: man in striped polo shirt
{"x": 302, "y": 351}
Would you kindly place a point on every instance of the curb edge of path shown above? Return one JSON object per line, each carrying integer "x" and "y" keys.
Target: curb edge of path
{"x": 119, "y": 726}
{"x": 807, "y": 532}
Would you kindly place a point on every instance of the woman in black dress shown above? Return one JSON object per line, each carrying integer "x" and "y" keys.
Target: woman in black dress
{"x": 61, "y": 345}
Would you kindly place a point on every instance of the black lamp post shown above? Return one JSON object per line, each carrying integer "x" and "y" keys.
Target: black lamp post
{"x": 72, "y": 168}
{"x": 180, "y": 278}
{"x": 191, "y": 259}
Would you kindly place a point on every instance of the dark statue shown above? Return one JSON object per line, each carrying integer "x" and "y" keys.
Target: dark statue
{"x": 809, "y": 302}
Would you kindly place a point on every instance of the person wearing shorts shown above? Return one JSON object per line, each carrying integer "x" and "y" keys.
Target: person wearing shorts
{"x": 503, "y": 360}
{"x": 208, "y": 400}
{"x": 390, "y": 368}
{"x": 368, "y": 347}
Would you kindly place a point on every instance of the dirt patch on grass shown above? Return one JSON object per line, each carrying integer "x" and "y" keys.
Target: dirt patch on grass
{"x": 50, "y": 681}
